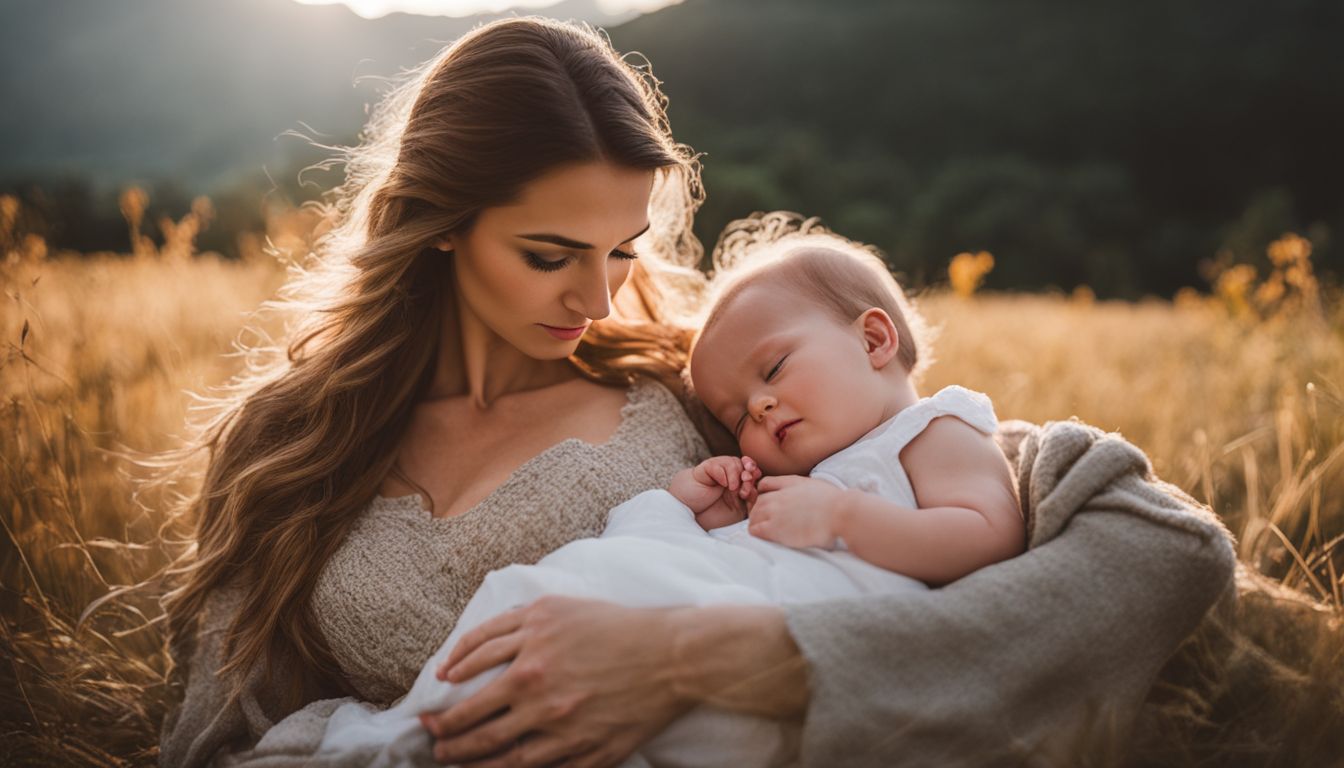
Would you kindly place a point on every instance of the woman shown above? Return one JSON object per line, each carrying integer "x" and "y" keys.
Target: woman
{"x": 477, "y": 388}
{"x": 462, "y": 393}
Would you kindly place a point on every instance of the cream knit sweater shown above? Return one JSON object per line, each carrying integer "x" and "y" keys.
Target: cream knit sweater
{"x": 394, "y": 589}
{"x": 1001, "y": 667}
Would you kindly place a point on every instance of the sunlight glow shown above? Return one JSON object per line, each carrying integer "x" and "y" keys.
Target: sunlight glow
{"x": 372, "y": 9}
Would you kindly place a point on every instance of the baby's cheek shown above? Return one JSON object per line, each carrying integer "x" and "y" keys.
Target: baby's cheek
{"x": 757, "y": 449}
{"x": 770, "y": 465}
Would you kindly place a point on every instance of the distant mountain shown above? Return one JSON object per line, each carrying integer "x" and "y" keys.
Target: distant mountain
{"x": 196, "y": 90}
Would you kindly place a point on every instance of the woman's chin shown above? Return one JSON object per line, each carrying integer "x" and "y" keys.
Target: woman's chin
{"x": 547, "y": 349}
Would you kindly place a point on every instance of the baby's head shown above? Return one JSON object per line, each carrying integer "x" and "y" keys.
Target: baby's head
{"x": 806, "y": 350}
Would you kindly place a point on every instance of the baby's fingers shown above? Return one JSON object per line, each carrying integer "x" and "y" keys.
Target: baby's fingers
{"x": 733, "y": 480}
{"x": 724, "y": 476}
{"x": 747, "y": 483}
{"x": 751, "y": 466}
{"x": 777, "y": 482}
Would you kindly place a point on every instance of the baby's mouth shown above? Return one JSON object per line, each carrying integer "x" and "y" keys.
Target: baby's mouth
{"x": 784, "y": 430}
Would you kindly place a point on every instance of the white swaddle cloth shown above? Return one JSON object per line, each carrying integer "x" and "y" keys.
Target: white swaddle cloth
{"x": 653, "y": 553}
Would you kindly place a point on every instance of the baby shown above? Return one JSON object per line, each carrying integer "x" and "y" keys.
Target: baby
{"x": 850, "y": 485}
{"x": 807, "y": 359}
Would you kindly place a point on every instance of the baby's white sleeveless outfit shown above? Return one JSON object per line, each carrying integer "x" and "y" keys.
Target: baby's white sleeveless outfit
{"x": 873, "y": 462}
{"x": 653, "y": 553}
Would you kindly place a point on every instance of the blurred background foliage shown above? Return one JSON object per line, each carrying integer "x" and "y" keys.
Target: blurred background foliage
{"x": 1132, "y": 146}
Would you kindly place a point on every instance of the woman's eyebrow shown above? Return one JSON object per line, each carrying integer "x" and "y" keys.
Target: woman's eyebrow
{"x": 565, "y": 242}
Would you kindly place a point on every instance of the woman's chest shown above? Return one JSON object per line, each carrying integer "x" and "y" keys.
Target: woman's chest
{"x": 459, "y": 455}
{"x": 395, "y": 587}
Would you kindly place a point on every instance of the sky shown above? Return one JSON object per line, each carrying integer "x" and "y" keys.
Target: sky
{"x": 372, "y": 9}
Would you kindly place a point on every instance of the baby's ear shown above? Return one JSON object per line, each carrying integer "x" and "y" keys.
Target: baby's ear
{"x": 880, "y": 339}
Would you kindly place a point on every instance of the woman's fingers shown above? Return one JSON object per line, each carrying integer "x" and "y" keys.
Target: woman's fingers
{"x": 500, "y": 735}
{"x": 492, "y": 653}
{"x": 491, "y": 699}
{"x": 531, "y": 750}
{"x": 502, "y": 624}
{"x": 610, "y": 754}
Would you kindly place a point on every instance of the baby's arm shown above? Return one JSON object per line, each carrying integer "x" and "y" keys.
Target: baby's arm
{"x": 968, "y": 515}
{"x": 717, "y": 490}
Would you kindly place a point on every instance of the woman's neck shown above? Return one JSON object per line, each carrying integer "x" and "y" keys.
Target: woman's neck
{"x": 474, "y": 362}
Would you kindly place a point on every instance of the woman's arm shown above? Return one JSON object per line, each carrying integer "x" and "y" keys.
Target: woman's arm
{"x": 206, "y": 728}
{"x": 1010, "y": 658}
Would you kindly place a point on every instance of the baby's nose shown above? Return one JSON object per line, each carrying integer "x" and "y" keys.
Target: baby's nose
{"x": 763, "y": 406}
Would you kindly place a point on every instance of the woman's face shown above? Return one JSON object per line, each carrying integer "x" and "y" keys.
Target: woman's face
{"x": 538, "y": 271}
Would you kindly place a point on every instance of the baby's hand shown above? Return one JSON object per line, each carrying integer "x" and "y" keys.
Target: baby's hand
{"x": 718, "y": 490}
{"x": 795, "y": 511}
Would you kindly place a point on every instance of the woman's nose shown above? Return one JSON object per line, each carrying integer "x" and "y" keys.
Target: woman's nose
{"x": 760, "y": 405}
{"x": 591, "y": 295}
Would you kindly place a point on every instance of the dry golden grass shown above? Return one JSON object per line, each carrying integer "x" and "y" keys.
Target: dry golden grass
{"x": 1241, "y": 407}
{"x": 1246, "y": 416}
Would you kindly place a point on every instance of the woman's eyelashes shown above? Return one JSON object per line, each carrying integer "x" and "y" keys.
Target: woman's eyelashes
{"x": 546, "y": 265}
{"x": 542, "y": 265}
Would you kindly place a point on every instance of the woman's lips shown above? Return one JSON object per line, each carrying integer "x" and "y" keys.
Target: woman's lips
{"x": 783, "y": 431}
{"x": 568, "y": 334}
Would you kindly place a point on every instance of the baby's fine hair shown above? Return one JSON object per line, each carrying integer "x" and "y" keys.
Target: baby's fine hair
{"x": 839, "y": 275}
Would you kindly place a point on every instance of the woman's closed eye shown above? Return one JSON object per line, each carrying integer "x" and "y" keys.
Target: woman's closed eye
{"x": 550, "y": 265}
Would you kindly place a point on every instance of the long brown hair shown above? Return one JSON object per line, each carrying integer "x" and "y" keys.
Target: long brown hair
{"x": 302, "y": 440}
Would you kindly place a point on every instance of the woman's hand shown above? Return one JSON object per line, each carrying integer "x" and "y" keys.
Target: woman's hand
{"x": 588, "y": 684}
{"x": 591, "y": 681}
